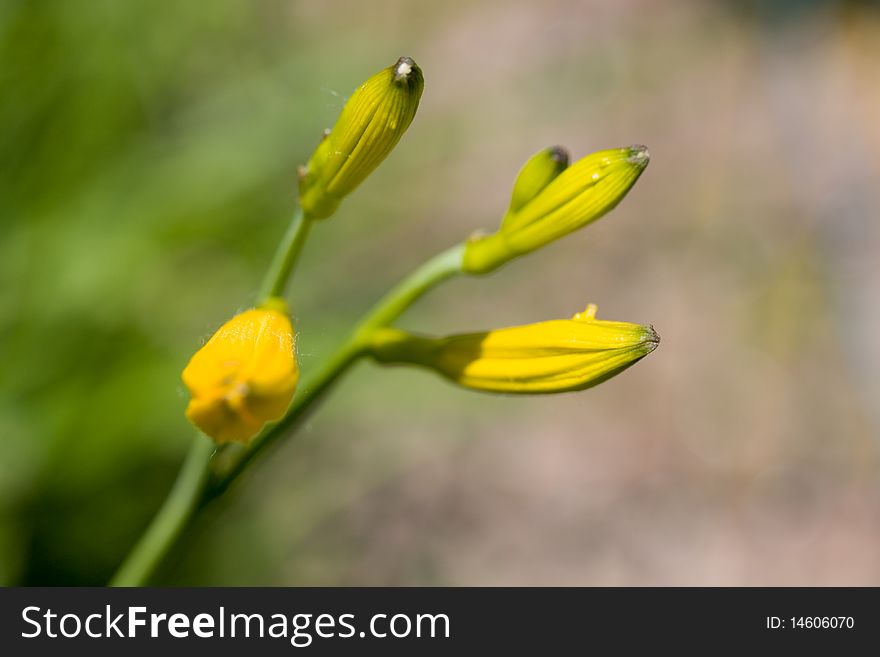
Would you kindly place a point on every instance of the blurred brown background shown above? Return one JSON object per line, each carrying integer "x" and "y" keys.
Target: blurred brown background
{"x": 147, "y": 165}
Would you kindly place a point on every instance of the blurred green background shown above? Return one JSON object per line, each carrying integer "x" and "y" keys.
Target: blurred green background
{"x": 148, "y": 152}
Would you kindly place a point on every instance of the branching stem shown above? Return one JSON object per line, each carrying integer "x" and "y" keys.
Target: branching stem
{"x": 206, "y": 474}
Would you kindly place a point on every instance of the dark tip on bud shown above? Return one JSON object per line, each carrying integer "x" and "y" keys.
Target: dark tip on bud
{"x": 405, "y": 68}
{"x": 559, "y": 155}
{"x": 639, "y": 156}
{"x": 652, "y": 338}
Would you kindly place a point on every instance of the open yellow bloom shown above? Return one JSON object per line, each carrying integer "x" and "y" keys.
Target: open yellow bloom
{"x": 369, "y": 127}
{"x": 547, "y": 357}
{"x": 244, "y": 376}
{"x": 574, "y": 197}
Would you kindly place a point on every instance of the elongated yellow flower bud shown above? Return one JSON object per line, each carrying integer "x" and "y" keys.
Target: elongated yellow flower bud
{"x": 547, "y": 357}
{"x": 369, "y": 127}
{"x": 244, "y": 376}
{"x": 541, "y": 169}
{"x": 578, "y": 195}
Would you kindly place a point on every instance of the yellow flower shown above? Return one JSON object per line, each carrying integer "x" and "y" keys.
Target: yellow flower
{"x": 370, "y": 125}
{"x": 547, "y": 357}
{"x": 244, "y": 376}
{"x": 578, "y": 195}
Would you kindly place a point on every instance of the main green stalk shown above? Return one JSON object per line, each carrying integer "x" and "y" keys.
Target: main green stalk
{"x": 286, "y": 256}
{"x": 172, "y": 517}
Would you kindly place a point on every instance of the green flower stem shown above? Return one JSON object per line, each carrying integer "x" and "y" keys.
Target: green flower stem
{"x": 203, "y": 478}
{"x": 442, "y": 266}
{"x": 231, "y": 464}
{"x": 286, "y": 256}
{"x": 389, "y": 308}
{"x": 178, "y": 508}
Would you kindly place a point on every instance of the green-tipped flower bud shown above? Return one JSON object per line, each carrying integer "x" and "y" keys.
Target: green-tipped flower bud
{"x": 370, "y": 125}
{"x": 578, "y": 195}
{"x": 535, "y": 175}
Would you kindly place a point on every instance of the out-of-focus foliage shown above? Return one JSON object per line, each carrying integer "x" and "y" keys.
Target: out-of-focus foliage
{"x": 148, "y": 154}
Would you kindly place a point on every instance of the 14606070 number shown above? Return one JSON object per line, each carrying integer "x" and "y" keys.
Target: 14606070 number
{"x": 822, "y": 622}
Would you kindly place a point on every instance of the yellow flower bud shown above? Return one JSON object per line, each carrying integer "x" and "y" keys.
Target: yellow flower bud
{"x": 547, "y": 357}
{"x": 578, "y": 195}
{"x": 244, "y": 376}
{"x": 370, "y": 125}
{"x": 541, "y": 169}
